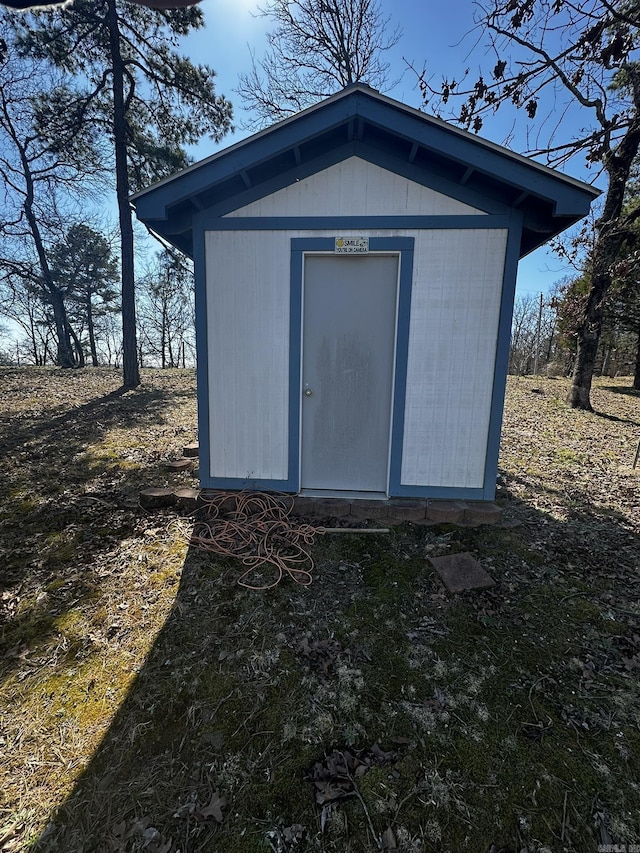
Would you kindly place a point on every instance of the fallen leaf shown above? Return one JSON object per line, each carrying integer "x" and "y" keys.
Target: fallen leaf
{"x": 214, "y": 809}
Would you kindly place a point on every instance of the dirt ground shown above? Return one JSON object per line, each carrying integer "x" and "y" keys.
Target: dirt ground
{"x": 150, "y": 703}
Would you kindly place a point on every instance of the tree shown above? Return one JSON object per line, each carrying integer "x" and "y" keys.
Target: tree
{"x": 134, "y": 88}
{"x": 40, "y": 181}
{"x": 579, "y": 53}
{"x": 533, "y": 334}
{"x": 85, "y": 270}
{"x": 620, "y": 337}
{"x": 167, "y": 308}
{"x": 317, "y": 48}
{"x": 623, "y": 308}
{"x": 24, "y": 306}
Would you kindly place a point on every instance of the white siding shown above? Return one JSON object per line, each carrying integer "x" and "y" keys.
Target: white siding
{"x": 248, "y": 332}
{"x": 456, "y": 296}
{"x": 452, "y": 345}
{"x": 355, "y": 187}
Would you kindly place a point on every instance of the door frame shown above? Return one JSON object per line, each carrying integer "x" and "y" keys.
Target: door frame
{"x": 403, "y": 247}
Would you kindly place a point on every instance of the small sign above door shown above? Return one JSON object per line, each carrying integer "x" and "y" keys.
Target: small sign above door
{"x": 352, "y": 246}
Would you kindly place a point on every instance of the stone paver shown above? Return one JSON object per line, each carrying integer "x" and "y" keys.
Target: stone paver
{"x": 446, "y": 512}
{"x": 461, "y": 572}
{"x": 481, "y": 512}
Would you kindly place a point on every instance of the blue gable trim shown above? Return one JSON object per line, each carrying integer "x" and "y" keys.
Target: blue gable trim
{"x": 257, "y": 149}
{"x": 324, "y": 223}
{"x": 495, "y": 202}
{"x": 359, "y": 121}
{"x": 487, "y": 159}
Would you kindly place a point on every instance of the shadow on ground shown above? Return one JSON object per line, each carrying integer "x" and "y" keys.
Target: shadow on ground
{"x": 70, "y": 491}
{"x": 621, "y": 389}
{"x": 506, "y": 717}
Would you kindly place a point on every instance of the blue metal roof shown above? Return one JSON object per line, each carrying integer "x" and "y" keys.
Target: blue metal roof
{"x": 358, "y": 121}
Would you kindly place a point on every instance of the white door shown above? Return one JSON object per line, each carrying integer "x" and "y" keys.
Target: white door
{"x": 349, "y": 326}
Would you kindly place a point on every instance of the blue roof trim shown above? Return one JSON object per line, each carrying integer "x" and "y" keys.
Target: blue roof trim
{"x": 410, "y": 171}
{"x": 438, "y": 137}
{"x": 254, "y": 151}
{"x": 316, "y": 223}
{"x": 392, "y": 135}
{"x": 154, "y": 207}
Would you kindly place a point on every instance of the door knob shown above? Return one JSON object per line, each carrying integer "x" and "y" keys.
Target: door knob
{"x": 308, "y": 392}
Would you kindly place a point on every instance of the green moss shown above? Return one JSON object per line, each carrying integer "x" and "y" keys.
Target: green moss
{"x": 565, "y": 456}
{"x": 61, "y": 546}
{"x": 20, "y": 505}
{"x": 389, "y": 580}
{"x": 497, "y": 543}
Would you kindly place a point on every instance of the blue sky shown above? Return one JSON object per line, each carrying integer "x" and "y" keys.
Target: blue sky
{"x": 440, "y": 34}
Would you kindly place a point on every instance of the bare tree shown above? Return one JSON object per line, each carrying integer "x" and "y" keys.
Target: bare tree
{"x": 21, "y": 302}
{"x": 39, "y": 181}
{"x": 128, "y": 85}
{"x": 581, "y": 56}
{"x": 317, "y": 48}
{"x": 166, "y": 311}
{"x": 533, "y": 334}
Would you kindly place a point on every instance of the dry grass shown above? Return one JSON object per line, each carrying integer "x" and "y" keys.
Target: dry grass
{"x": 149, "y": 703}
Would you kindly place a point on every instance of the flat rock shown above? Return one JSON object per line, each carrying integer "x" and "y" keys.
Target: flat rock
{"x": 156, "y": 498}
{"x": 460, "y": 572}
{"x": 180, "y": 464}
{"x": 188, "y": 499}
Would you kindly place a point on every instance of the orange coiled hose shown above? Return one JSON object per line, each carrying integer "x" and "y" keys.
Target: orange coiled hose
{"x": 256, "y": 528}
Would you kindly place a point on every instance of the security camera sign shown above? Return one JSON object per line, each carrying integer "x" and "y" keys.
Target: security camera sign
{"x": 352, "y": 245}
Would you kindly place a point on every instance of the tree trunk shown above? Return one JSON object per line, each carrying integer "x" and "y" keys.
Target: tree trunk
{"x": 579, "y": 396}
{"x": 65, "y": 349}
{"x": 91, "y": 331}
{"x": 131, "y": 372}
{"x": 79, "y": 360}
{"x": 636, "y": 374}
{"x": 611, "y": 237}
{"x": 34, "y": 342}
{"x": 163, "y": 341}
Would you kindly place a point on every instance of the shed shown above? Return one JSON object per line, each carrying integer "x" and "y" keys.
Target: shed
{"x": 355, "y": 272}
